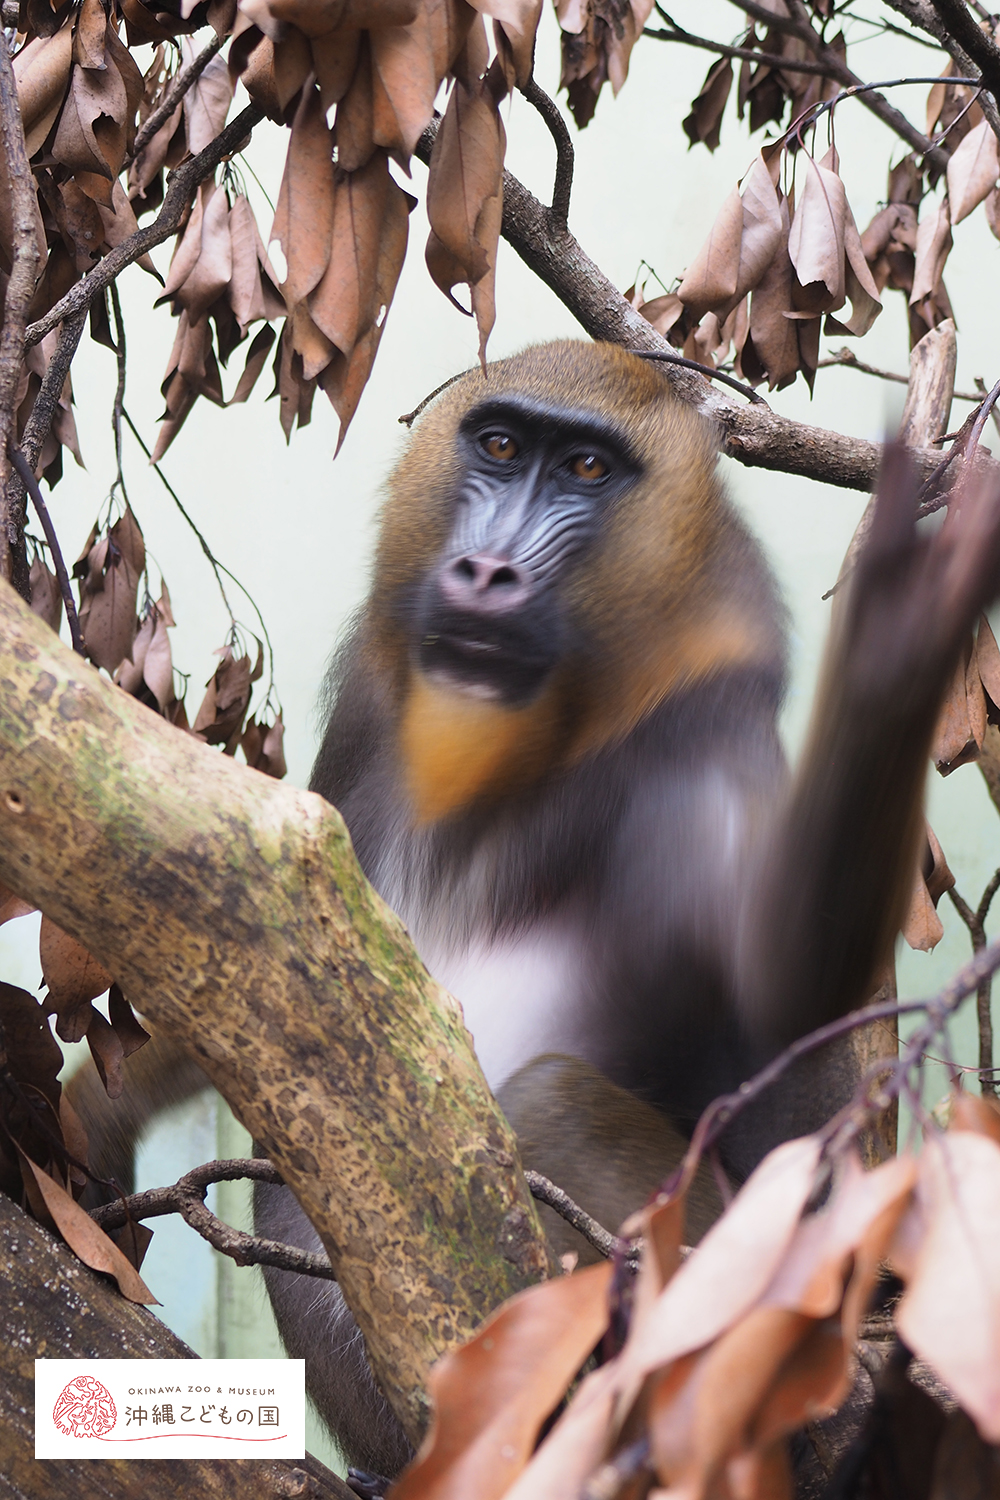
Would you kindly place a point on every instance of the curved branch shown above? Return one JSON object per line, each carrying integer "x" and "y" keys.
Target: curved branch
{"x": 180, "y": 190}
{"x": 552, "y": 115}
{"x": 962, "y": 26}
{"x": 31, "y": 485}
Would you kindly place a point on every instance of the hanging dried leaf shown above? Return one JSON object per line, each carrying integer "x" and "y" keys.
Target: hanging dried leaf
{"x": 255, "y": 362}
{"x": 465, "y": 199}
{"x": 86, "y": 1240}
{"x": 704, "y": 123}
{"x": 74, "y": 979}
{"x": 954, "y": 738}
{"x": 933, "y": 248}
{"x": 988, "y": 666}
{"x": 772, "y": 346}
{"x": 262, "y": 744}
{"x": 303, "y": 220}
{"x": 46, "y": 600}
{"x": 220, "y": 718}
{"x": 492, "y": 1395}
{"x": 127, "y": 1027}
{"x": 108, "y": 592}
{"x": 88, "y": 38}
{"x": 206, "y": 103}
{"x": 149, "y": 674}
{"x": 945, "y": 1251}
{"x": 972, "y": 171}
{"x": 743, "y": 242}
{"x": 41, "y": 70}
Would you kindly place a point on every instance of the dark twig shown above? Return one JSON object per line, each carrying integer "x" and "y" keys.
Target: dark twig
{"x": 975, "y": 921}
{"x": 181, "y": 186}
{"x": 850, "y": 361}
{"x": 119, "y": 401}
{"x": 30, "y": 483}
{"x": 972, "y": 442}
{"x": 187, "y": 1198}
{"x": 178, "y": 87}
{"x": 17, "y": 298}
{"x": 36, "y": 429}
{"x": 920, "y": 13}
{"x": 706, "y": 370}
{"x": 749, "y": 54}
{"x": 595, "y": 1234}
{"x": 409, "y": 417}
{"x": 552, "y": 115}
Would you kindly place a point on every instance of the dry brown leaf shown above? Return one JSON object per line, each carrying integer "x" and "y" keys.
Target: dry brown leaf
{"x": 933, "y": 248}
{"x": 516, "y": 21}
{"x": 262, "y": 744}
{"x": 210, "y": 275}
{"x": 150, "y": 665}
{"x": 367, "y": 206}
{"x": 46, "y": 599}
{"x": 12, "y": 906}
{"x": 492, "y": 1396}
{"x": 41, "y": 70}
{"x": 733, "y": 1265}
{"x": 972, "y": 171}
{"x": 975, "y": 1112}
{"x": 465, "y": 199}
{"x": 250, "y": 296}
{"x": 772, "y": 347}
{"x": 560, "y": 1465}
{"x": 743, "y": 242}
{"x": 954, "y": 739}
{"x": 704, "y": 123}
{"x": 74, "y": 977}
{"x": 129, "y": 1030}
{"x": 303, "y": 220}
{"x": 355, "y": 113}
{"x": 220, "y": 717}
{"x": 88, "y": 1242}
{"x": 255, "y": 361}
{"x": 923, "y": 929}
{"x": 816, "y": 236}
{"x": 89, "y": 34}
{"x": 946, "y": 1252}
{"x": 988, "y": 660}
{"x": 405, "y": 83}
{"x": 108, "y": 592}
{"x": 206, "y": 103}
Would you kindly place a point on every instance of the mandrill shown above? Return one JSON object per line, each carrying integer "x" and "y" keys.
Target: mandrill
{"x": 554, "y": 741}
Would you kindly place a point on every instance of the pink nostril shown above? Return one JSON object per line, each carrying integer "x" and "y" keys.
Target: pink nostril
{"x": 481, "y": 573}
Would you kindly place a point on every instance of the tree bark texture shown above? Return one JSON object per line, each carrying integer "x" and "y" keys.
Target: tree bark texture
{"x": 232, "y": 912}
{"x": 54, "y": 1307}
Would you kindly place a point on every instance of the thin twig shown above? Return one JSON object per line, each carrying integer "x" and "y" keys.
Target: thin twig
{"x": 749, "y": 54}
{"x": 30, "y": 483}
{"x": 119, "y": 401}
{"x": 706, "y": 370}
{"x": 595, "y": 1234}
{"x": 19, "y": 291}
{"x": 37, "y": 427}
{"x": 552, "y": 115}
{"x": 982, "y": 416}
{"x": 975, "y": 921}
{"x": 849, "y": 359}
{"x": 409, "y": 417}
{"x": 181, "y": 186}
{"x": 187, "y": 1198}
{"x": 179, "y": 86}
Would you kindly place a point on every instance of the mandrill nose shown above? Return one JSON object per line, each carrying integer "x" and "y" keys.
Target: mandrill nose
{"x": 488, "y": 584}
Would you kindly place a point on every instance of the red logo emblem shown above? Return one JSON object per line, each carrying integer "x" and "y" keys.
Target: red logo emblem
{"x": 84, "y": 1408}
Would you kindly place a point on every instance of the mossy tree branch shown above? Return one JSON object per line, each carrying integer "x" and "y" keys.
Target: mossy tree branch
{"x": 233, "y": 913}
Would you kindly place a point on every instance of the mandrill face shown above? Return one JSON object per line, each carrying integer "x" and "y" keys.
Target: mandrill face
{"x": 535, "y": 486}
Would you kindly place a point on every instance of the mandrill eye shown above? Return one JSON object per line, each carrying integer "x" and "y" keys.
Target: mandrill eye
{"x": 499, "y": 445}
{"x": 588, "y": 466}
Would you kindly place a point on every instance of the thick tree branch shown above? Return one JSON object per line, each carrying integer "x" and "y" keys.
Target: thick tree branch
{"x": 232, "y": 911}
{"x": 20, "y": 287}
{"x": 179, "y": 86}
{"x": 180, "y": 190}
{"x": 959, "y": 23}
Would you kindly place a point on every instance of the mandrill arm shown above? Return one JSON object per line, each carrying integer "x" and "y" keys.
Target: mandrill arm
{"x": 838, "y": 872}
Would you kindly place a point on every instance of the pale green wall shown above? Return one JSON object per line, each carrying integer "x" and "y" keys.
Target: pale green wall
{"x": 298, "y": 529}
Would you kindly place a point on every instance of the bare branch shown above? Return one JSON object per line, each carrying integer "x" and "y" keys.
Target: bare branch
{"x": 975, "y": 921}
{"x": 32, "y": 487}
{"x": 180, "y": 189}
{"x": 43, "y": 411}
{"x": 850, "y": 361}
{"x": 748, "y": 54}
{"x": 595, "y": 1234}
{"x": 20, "y": 288}
{"x": 552, "y": 115}
{"x": 179, "y": 86}
{"x": 187, "y": 1198}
